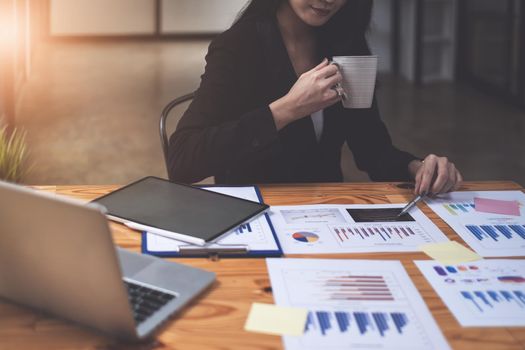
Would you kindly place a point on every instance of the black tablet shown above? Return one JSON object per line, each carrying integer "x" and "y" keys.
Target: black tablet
{"x": 179, "y": 208}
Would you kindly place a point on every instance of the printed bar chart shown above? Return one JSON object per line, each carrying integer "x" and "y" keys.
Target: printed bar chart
{"x": 491, "y": 300}
{"x": 497, "y": 232}
{"x": 372, "y": 288}
{"x": 459, "y": 208}
{"x": 385, "y": 233}
{"x": 244, "y": 228}
{"x": 376, "y": 323}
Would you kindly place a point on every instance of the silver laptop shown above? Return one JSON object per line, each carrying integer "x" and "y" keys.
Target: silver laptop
{"x": 57, "y": 255}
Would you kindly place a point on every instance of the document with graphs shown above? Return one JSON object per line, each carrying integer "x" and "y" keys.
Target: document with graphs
{"x": 352, "y": 228}
{"x": 354, "y": 304}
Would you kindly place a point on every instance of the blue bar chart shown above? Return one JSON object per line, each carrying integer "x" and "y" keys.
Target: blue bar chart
{"x": 499, "y": 239}
{"x": 378, "y": 323}
{"x": 497, "y": 232}
{"x": 244, "y": 228}
{"x": 493, "y": 300}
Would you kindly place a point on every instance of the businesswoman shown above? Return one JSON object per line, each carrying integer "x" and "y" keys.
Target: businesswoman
{"x": 267, "y": 109}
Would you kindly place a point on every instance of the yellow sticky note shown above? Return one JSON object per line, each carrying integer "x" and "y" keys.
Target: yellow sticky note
{"x": 273, "y": 319}
{"x": 449, "y": 252}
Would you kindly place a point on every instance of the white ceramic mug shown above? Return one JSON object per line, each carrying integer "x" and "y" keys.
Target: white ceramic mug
{"x": 359, "y": 79}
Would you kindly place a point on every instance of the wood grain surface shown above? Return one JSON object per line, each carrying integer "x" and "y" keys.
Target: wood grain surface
{"x": 216, "y": 319}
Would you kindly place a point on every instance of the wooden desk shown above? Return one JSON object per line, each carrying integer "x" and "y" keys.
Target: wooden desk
{"x": 216, "y": 320}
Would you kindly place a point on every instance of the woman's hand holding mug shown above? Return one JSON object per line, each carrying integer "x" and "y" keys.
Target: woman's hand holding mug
{"x": 312, "y": 92}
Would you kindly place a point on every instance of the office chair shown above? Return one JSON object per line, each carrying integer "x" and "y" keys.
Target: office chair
{"x": 162, "y": 124}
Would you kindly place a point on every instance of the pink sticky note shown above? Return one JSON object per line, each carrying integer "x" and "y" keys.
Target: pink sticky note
{"x": 496, "y": 206}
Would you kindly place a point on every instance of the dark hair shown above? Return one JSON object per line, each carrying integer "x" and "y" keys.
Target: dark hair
{"x": 347, "y": 27}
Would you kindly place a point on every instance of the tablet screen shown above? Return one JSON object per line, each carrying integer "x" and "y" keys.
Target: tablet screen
{"x": 179, "y": 208}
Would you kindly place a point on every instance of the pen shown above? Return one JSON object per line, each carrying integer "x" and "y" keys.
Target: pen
{"x": 164, "y": 233}
{"x": 413, "y": 202}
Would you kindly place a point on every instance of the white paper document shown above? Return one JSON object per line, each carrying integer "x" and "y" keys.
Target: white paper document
{"x": 354, "y": 304}
{"x": 257, "y": 234}
{"x": 483, "y": 293}
{"x": 489, "y": 234}
{"x": 352, "y": 228}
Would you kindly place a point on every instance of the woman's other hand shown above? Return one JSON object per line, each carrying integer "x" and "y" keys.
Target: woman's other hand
{"x": 435, "y": 175}
{"x": 311, "y": 93}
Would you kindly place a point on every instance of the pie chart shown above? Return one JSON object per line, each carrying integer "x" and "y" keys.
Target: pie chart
{"x": 305, "y": 237}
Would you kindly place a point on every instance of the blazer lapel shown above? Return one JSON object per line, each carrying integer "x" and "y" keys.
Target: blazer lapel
{"x": 279, "y": 73}
{"x": 280, "y": 79}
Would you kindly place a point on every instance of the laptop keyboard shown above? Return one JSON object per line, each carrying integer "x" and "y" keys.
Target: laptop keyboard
{"x": 145, "y": 301}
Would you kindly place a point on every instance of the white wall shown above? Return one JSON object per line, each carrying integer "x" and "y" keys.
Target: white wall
{"x": 199, "y": 16}
{"x": 102, "y": 17}
{"x": 129, "y": 17}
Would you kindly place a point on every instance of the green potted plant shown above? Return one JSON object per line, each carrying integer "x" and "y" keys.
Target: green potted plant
{"x": 13, "y": 155}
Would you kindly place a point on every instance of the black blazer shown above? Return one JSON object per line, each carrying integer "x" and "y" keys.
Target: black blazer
{"x": 228, "y": 130}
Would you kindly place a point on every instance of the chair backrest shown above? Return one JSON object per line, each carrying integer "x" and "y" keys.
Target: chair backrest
{"x": 164, "y": 141}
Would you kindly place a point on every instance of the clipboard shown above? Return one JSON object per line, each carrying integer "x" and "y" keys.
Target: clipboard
{"x": 219, "y": 249}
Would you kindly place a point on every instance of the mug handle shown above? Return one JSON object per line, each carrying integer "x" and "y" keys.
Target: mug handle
{"x": 337, "y": 87}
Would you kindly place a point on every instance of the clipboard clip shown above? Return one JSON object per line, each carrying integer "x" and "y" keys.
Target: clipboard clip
{"x": 215, "y": 252}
